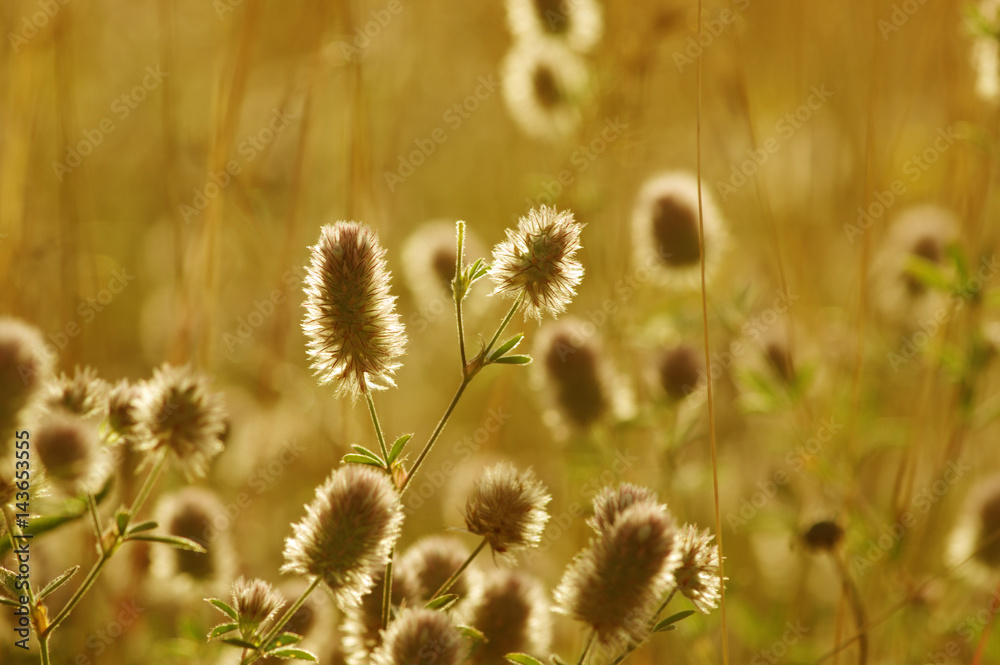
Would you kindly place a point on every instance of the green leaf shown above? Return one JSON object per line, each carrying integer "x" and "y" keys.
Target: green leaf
{"x": 294, "y": 654}
{"x": 148, "y": 525}
{"x": 513, "y": 360}
{"x": 442, "y": 602}
{"x": 237, "y": 642}
{"x": 556, "y": 660}
{"x": 224, "y": 607}
{"x": 174, "y": 541}
{"x": 927, "y": 272}
{"x": 667, "y": 624}
{"x": 351, "y": 458}
{"x": 522, "y": 659}
{"x": 397, "y": 447}
{"x": 7, "y": 601}
{"x": 473, "y": 634}
{"x": 221, "y": 630}
{"x": 8, "y": 584}
{"x": 283, "y": 640}
{"x": 122, "y": 518}
{"x": 367, "y": 453}
{"x": 57, "y": 582}
{"x": 506, "y": 346}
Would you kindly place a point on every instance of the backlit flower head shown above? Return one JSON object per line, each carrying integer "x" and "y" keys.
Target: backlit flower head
{"x": 538, "y": 261}
{"x": 430, "y": 561}
{"x": 354, "y": 332}
{"x": 178, "y": 412}
{"x": 610, "y": 502}
{"x": 665, "y": 231}
{"x": 123, "y": 411}
{"x": 615, "y": 585}
{"x": 513, "y": 613}
{"x": 507, "y": 508}
{"x": 347, "y": 533}
{"x": 361, "y": 629}
{"x": 25, "y": 366}
{"x": 68, "y": 447}
{"x": 577, "y": 22}
{"x": 697, "y": 576}
{"x": 544, "y": 85}
{"x": 256, "y": 602}
{"x": 84, "y": 394}
{"x": 420, "y": 637}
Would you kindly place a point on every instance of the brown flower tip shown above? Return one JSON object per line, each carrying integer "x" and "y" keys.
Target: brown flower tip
{"x": 681, "y": 370}
{"x": 429, "y": 563}
{"x": 420, "y": 637}
{"x": 616, "y": 583}
{"x": 191, "y": 513}
{"x": 351, "y": 323}
{"x": 85, "y": 394}
{"x": 666, "y": 230}
{"x": 697, "y": 576}
{"x": 538, "y": 261}
{"x": 577, "y": 22}
{"x": 611, "y": 502}
{"x": 178, "y": 412}
{"x": 513, "y": 615}
{"x": 507, "y": 508}
{"x": 779, "y": 357}
{"x": 575, "y": 373}
{"x": 824, "y": 535}
{"x": 68, "y": 448}
{"x": 361, "y": 630}
{"x": 25, "y": 366}
{"x": 544, "y": 84}
{"x": 256, "y": 602}
{"x": 123, "y": 411}
{"x": 347, "y": 533}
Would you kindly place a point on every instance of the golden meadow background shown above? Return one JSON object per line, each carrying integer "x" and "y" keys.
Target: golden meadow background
{"x": 203, "y": 82}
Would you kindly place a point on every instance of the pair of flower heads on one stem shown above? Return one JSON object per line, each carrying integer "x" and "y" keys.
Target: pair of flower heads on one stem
{"x": 347, "y": 539}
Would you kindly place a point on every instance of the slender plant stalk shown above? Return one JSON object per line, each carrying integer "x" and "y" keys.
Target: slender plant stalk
{"x": 458, "y": 299}
{"x": 378, "y": 428}
{"x": 280, "y": 624}
{"x": 652, "y": 623}
{"x": 503, "y": 325}
{"x": 857, "y": 606}
{"x": 108, "y": 552}
{"x": 708, "y": 368}
{"x": 387, "y": 590}
{"x": 96, "y": 520}
{"x": 586, "y": 648}
{"x": 434, "y": 436}
{"x": 43, "y": 642}
{"x": 458, "y": 573}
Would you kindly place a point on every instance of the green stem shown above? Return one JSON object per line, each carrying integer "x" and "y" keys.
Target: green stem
{"x": 461, "y": 569}
{"x": 95, "y": 518}
{"x": 107, "y": 553}
{"x": 276, "y": 629}
{"x": 43, "y": 648}
{"x": 586, "y": 649}
{"x": 503, "y": 325}
{"x": 378, "y": 428}
{"x": 434, "y": 436}
{"x": 632, "y": 646}
{"x": 387, "y": 591}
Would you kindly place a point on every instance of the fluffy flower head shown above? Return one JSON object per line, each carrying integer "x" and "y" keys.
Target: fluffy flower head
{"x": 508, "y": 508}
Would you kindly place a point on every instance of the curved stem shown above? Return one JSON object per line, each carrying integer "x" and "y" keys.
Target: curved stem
{"x": 459, "y": 297}
{"x": 147, "y": 486}
{"x": 387, "y": 591}
{"x": 632, "y": 646}
{"x": 503, "y": 325}
{"x": 434, "y": 436}
{"x": 378, "y": 428}
{"x": 586, "y": 648}
{"x": 461, "y": 569}
{"x": 96, "y": 520}
{"x": 860, "y": 617}
{"x": 276, "y": 628}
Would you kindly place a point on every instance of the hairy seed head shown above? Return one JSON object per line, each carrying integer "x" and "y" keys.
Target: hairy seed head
{"x": 347, "y": 533}
{"x": 574, "y": 373}
{"x": 616, "y": 583}
{"x": 123, "y": 410}
{"x": 429, "y": 563}
{"x": 25, "y": 366}
{"x": 576, "y": 22}
{"x": 361, "y": 630}
{"x": 68, "y": 448}
{"x": 513, "y": 614}
{"x": 256, "y": 602}
{"x": 824, "y": 535}
{"x": 178, "y": 412}
{"x": 191, "y": 513}
{"x": 611, "y": 502}
{"x": 544, "y": 83}
{"x": 697, "y": 576}
{"x": 538, "y": 261}
{"x": 351, "y": 323}
{"x": 84, "y": 394}
{"x": 420, "y": 637}
{"x": 507, "y": 508}
{"x": 680, "y": 371}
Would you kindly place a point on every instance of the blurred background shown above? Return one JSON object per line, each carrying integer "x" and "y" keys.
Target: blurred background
{"x": 165, "y": 166}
